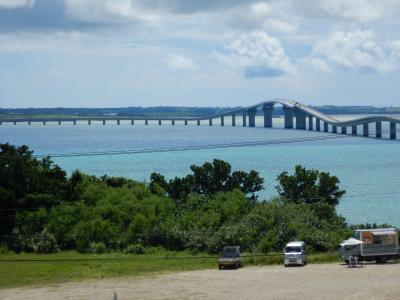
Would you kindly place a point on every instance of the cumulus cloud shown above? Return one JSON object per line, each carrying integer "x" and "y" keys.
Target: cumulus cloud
{"x": 13, "y": 4}
{"x": 258, "y": 54}
{"x": 180, "y": 63}
{"x": 354, "y": 50}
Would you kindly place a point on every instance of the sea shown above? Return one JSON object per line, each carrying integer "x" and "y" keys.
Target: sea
{"x": 368, "y": 168}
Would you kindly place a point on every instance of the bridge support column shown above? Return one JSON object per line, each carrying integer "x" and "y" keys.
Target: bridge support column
{"x": 59, "y": 122}
{"x": 173, "y": 122}
{"x": 44, "y": 123}
{"x": 268, "y": 115}
{"x": 244, "y": 119}
{"x": 186, "y": 122}
{"x": 252, "y": 117}
{"x": 222, "y": 121}
{"x": 15, "y": 123}
{"x": 74, "y": 122}
{"x": 233, "y": 120}
{"x": 378, "y": 133}
{"x": 310, "y": 122}
{"x": 104, "y": 122}
{"x": 29, "y": 122}
{"x": 89, "y": 122}
{"x": 1, "y": 122}
{"x": 334, "y": 128}
{"x": 132, "y": 122}
{"x": 317, "y": 124}
{"x": 288, "y": 115}
{"x": 354, "y": 130}
{"x": 300, "y": 119}
{"x": 209, "y": 122}
{"x": 159, "y": 122}
{"x": 344, "y": 130}
{"x": 118, "y": 122}
{"x": 326, "y": 127}
{"x": 365, "y": 129}
{"x": 198, "y": 122}
{"x": 393, "y": 130}
{"x": 146, "y": 122}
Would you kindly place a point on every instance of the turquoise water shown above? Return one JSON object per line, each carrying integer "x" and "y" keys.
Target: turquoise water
{"x": 369, "y": 169}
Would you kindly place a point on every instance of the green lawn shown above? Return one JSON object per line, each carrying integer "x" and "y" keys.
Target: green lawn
{"x": 33, "y": 269}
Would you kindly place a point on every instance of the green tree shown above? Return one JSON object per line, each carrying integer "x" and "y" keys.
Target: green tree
{"x": 309, "y": 186}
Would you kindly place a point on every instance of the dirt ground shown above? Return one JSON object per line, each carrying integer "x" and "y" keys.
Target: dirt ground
{"x": 325, "y": 281}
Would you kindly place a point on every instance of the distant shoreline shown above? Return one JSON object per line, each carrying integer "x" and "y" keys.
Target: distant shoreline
{"x": 175, "y": 111}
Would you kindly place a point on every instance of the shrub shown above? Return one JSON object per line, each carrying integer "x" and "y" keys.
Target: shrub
{"x": 97, "y": 248}
{"x": 45, "y": 243}
{"x": 134, "y": 249}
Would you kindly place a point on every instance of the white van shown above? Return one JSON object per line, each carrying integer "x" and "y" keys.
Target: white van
{"x": 295, "y": 254}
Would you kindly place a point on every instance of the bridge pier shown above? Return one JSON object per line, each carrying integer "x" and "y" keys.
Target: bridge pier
{"x": 118, "y": 122}
{"x": 344, "y": 130}
{"x": 252, "y": 117}
{"x": 173, "y": 122}
{"x": 244, "y": 119}
{"x": 354, "y": 130}
{"x": 268, "y": 115}
{"x": 393, "y": 130}
{"x": 146, "y": 122}
{"x": 44, "y": 123}
{"x": 186, "y": 122}
{"x": 104, "y": 122}
{"x": 89, "y": 122}
{"x": 198, "y": 122}
{"x": 310, "y": 122}
{"x": 132, "y": 122}
{"x": 222, "y": 121}
{"x": 29, "y": 122}
{"x": 334, "y": 129}
{"x": 288, "y": 115}
{"x": 74, "y": 122}
{"x": 326, "y": 127}
{"x": 210, "y": 122}
{"x": 159, "y": 122}
{"x": 366, "y": 129}
{"x": 378, "y": 132}
{"x": 233, "y": 120}
{"x": 300, "y": 119}
{"x": 317, "y": 124}
{"x": 59, "y": 122}
{"x": 15, "y": 123}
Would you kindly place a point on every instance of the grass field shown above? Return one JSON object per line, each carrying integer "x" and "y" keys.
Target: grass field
{"x": 33, "y": 269}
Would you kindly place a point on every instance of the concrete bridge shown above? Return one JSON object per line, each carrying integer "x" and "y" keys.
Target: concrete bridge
{"x": 296, "y": 115}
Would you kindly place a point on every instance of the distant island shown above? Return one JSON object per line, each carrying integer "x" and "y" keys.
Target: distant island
{"x": 176, "y": 111}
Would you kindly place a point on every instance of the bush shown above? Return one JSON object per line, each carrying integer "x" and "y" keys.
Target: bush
{"x": 45, "y": 243}
{"x": 97, "y": 248}
{"x": 134, "y": 249}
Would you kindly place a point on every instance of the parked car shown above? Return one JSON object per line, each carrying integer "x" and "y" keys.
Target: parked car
{"x": 230, "y": 258}
{"x": 378, "y": 245}
{"x": 295, "y": 254}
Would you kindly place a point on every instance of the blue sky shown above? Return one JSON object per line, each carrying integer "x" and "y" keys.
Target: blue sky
{"x": 110, "y": 53}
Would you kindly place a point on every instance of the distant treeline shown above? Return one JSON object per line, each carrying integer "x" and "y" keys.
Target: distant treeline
{"x": 168, "y": 111}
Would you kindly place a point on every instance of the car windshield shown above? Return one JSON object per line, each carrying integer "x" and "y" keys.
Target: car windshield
{"x": 230, "y": 252}
{"x": 293, "y": 249}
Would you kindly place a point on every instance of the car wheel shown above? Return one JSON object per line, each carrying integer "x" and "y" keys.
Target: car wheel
{"x": 221, "y": 267}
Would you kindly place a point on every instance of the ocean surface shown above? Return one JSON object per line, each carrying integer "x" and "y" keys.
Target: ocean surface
{"x": 369, "y": 169}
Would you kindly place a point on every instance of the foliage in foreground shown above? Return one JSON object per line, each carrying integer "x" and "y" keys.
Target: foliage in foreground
{"x": 44, "y": 211}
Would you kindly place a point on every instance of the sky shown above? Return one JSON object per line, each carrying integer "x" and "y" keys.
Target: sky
{"x": 118, "y": 53}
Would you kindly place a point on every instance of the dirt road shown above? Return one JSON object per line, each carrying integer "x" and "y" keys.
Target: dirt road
{"x": 326, "y": 281}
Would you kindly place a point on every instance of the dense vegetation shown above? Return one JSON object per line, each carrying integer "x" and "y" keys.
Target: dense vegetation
{"x": 42, "y": 210}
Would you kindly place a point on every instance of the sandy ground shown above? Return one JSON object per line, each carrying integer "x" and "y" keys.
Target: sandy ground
{"x": 326, "y": 281}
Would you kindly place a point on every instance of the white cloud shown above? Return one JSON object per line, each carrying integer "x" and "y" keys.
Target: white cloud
{"x": 12, "y": 4}
{"x": 108, "y": 11}
{"x": 180, "y": 63}
{"x": 358, "y": 10}
{"x": 259, "y": 54}
{"x": 354, "y": 50}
